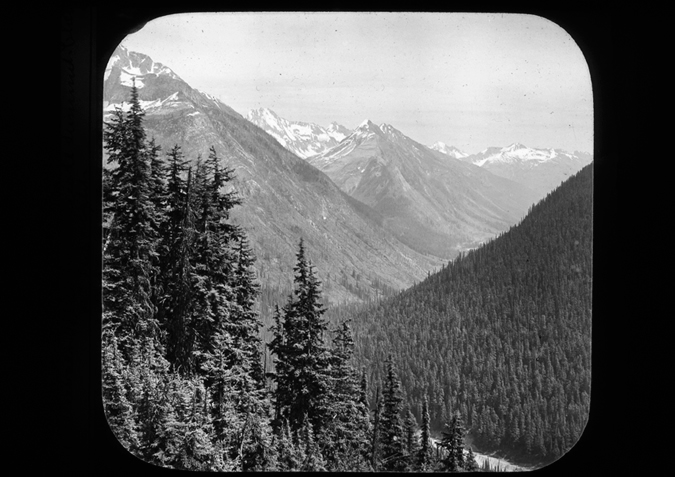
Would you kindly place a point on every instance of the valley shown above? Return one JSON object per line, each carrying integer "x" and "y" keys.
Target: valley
{"x": 283, "y": 197}
{"x": 415, "y": 279}
{"x": 414, "y": 206}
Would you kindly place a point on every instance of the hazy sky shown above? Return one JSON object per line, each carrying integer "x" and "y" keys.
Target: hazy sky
{"x": 469, "y": 80}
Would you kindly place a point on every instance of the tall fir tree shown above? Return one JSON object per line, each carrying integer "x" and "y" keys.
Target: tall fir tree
{"x": 245, "y": 321}
{"x": 425, "y": 453}
{"x": 391, "y": 427}
{"x": 301, "y": 357}
{"x": 411, "y": 444}
{"x": 452, "y": 444}
{"x": 375, "y": 448}
{"x": 178, "y": 240}
{"x": 345, "y": 431}
{"x": 130, "y": 238}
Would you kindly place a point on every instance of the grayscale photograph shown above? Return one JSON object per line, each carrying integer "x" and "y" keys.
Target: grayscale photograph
{"x": 347, "y": 242}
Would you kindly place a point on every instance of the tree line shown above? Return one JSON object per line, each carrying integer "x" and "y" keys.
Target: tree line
{"x": 185, "y": 382}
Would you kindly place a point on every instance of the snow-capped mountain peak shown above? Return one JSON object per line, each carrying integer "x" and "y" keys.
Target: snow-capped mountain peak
{"x": 515, "y": 152}
{"x": 366, "y": 124}
{"x": 134, "y": 66}
{"x": 388, "y": 129}
{"x": 539, "y": 169}
{"x": 337, "y": 131}
{"x": 301, "y": 138}
{"x": 366, "y": 129}
{"x": 451, "y": 151}
{"x": 514, "y": 147}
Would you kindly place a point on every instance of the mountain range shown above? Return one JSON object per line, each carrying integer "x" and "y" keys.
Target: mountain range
{"x": 430, "y": 201}
{"x": 377, "y": 210}
{"x": 284, "y": 197}
{"x": 540, "y": 170}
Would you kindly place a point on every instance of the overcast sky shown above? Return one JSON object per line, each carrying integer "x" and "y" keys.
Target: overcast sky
{"x": 469, "y": 80}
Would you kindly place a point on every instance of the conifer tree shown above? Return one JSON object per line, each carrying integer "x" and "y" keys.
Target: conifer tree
{"x": 157, "y": 182}
{"x": 425, "y": 453}
{"x": 151, "y": 404}
{"x": 178, "y": 239}
{"x": 411, "y": 444}
{"x": 391, "y": 432}
{"x": 344, "y": 435}
{"x": 314, "y": 461}
{"x": 470, "y": 464}
{"x": 183, "y": 385}
{"x": 301, "y": 357}
{"x": 128, "y": 271}
{"x": 375, "y": 451}
{"x": 363, "y": 390}
{"x": 453, "y": 445}
{"x": 289, "y": 455}
{"x": 118, "y": 410}
{"x": 246, "y": 323}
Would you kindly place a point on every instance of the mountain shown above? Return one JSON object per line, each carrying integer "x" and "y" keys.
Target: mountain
{"x": 451, "y": 151}
{"x": 284, "y": 197}
{"x": 430, "y": 201}
{"x": 541, "y": 170}
{"x": 508, "y": 328}
{"x": 302, "y": 139}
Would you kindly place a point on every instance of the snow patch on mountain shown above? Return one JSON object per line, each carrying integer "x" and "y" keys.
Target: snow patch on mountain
{"x": 146, "y": 105}
{"x": 302, "y": 138}
{"x": 451, "y": 151}
{"x": 337, "y": 131}
{"x": 516, "y": 152}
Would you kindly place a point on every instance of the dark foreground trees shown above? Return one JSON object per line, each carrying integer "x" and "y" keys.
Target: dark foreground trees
{"x": 182, "y": 375}
{"x": 183, "y": 381}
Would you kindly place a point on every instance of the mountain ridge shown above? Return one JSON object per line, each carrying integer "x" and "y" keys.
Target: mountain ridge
{"x": 438, "y": 204}
{"x": 284, "y": 197}
{"x": 537, "y": 168}
{"x": 302, "y": 138}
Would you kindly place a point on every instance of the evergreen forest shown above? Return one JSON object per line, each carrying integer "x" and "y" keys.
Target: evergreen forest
{"x": 493, "y": 351}
{"x": 501, "y": 334}
{"x": 185, "y": 382}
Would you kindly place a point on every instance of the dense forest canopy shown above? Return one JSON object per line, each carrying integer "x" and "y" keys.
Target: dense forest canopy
{"x": 502, "y": 333}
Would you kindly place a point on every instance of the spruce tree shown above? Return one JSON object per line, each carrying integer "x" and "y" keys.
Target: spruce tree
{"x": 314, "y": 461}
{"x": 290, "y": 456}
{"x": 411, "y": 444}
{"x": 130, "y": 239}
{"x": 118, "y": 410}
{"x": 301, "y": 357}
{"x": 178, "y": 242}
{"x": 375, "y": 451}
{"x": 425, "y": 453}
{"x": 245, "y": 322}
{"x": 391, "y": 427}
{"x": 453, "y": 445}
{"x": 344, "y": 435}
{"x": 470, "y": 464}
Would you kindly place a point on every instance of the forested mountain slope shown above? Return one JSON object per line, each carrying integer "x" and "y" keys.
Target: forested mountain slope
{"x": 502, "y": 333}
{"x": 283, "y": 197}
